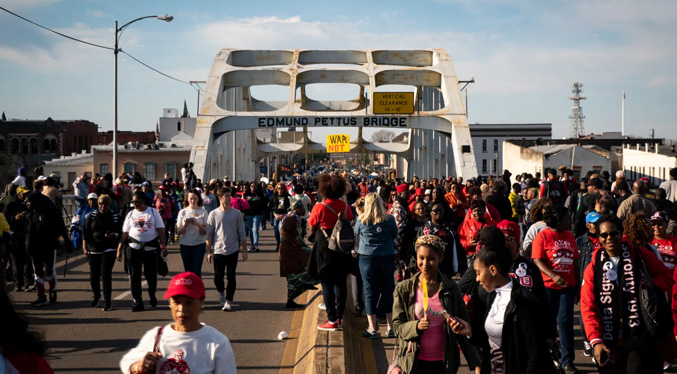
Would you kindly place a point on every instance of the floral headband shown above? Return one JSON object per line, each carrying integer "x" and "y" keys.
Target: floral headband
{"x": 432, "y": 240}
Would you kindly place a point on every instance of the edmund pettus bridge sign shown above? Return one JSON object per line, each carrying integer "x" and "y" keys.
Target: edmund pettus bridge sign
{"x": 232, "y": 107}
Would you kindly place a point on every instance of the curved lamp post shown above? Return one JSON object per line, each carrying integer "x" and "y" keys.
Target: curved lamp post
{"x": 118, "y": 34}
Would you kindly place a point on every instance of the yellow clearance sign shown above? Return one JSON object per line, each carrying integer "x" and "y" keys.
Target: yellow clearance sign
{"x": 338, "y": 143}
{"x": 393, "y": 103}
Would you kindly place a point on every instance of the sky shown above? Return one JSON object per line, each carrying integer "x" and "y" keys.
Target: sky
{"x": 523, "y": 54}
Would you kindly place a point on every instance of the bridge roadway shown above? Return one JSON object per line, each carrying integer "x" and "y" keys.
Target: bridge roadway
{"x": 86, "y": 339}
{"x": 83, "y": 339}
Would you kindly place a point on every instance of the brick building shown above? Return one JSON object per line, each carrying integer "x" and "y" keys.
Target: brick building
{"x": 29, "y": 143}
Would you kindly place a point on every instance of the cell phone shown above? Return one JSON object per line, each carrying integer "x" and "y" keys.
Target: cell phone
{"x": 604, "y": 358}
{"x": 190, "y": 219}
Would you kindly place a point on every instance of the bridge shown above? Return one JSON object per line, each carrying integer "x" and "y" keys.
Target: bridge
{"x": 439, "y": 142}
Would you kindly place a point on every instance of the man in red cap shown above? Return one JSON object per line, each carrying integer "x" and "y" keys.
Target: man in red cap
{"x": 400, "y": 212}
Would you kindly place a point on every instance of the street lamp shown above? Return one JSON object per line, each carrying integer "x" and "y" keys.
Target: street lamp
{"x": 118, "y": 34}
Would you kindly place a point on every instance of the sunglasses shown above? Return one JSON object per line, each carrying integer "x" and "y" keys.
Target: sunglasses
{"x": 612, "y": 234}
{"x": 656, "y": 223}
{"x": 136, "y": 202}
{"x": 437, "y": 211}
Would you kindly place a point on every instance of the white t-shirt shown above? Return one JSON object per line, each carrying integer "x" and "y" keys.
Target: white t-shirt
{"x": 197, "y": 352}
{"x": 142, "y": 225}
{"x": 192, "y": 235}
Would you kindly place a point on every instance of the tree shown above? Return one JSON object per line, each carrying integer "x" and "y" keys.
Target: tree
{"x": 382, "y": 136}
{"x": 185, "y": 110}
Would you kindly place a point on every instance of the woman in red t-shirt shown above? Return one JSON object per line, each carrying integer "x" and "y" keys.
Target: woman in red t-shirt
{"x": 555, "y": 253}
{"x": 331, "y": 267}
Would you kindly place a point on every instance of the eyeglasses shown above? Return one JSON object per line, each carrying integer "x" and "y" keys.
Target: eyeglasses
{"x": 605, "y": 235}
{"x": 437, "y": 211}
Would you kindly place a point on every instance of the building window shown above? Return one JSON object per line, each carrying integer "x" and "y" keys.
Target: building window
{"x": 495, "y": 166}
{"x": 484, "y": 145}
{"x": 52, "y": 145}
{"x": 129, "y": 168}
{"x": 34, "y": 146}
{"x": 15, "y": 145}
{"x": 2, "y": 144}
{"x": 495, "y": 145}
{"x": 178, "y": 126}
{"x": 170, "y": 169}
{"x": 149, "y": 171}
{"x": 484, "y": 166}
{"x": 104, "y": 169}
{"x": 45, "y": 145}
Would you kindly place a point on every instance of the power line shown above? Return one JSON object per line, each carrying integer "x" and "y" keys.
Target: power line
{"x": 56, "y": 32}
{"x": 153, "y": 69}
{"x": 98, "y": 46}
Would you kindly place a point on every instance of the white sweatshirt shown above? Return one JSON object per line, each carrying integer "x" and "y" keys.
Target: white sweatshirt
{"x": 202, "y": 351}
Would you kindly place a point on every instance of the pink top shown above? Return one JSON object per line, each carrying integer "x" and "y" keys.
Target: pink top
{"x": 433, "y": 340}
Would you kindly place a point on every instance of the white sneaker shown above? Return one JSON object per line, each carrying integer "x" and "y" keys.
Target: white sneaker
{"x": 322, "y": 306}
{"x": 226, "y": 306}
{"x": 222, "y": 300}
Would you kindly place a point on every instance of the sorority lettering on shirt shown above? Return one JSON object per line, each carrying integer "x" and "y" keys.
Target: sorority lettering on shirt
{"x": 667, "y": 252}
{"x": 175, "y": 365}
{"x": 562, "y": 256}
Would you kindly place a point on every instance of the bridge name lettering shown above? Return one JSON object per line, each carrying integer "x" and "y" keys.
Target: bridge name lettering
{"x": 375, "y": 121}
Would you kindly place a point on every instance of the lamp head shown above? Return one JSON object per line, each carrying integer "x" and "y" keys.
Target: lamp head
{"x": 166, "y": 18}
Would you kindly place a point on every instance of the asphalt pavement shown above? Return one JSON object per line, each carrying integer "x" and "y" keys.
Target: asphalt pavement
{"x": 86, "y": 339}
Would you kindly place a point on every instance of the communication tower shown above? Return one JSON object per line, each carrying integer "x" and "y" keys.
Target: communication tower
{"x": 577, "y": 116}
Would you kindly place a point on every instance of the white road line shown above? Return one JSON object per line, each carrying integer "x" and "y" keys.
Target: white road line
{"x": 127, "y": 293}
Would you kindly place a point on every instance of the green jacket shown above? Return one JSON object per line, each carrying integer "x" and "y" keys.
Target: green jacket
{"x": 404, "y": 324}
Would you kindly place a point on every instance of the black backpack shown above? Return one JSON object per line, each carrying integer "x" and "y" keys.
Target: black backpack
{"x": 554, "y": 189}
{"x": 342, "y": 238}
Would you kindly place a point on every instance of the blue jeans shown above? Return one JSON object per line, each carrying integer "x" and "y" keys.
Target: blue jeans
{"x": 377, "y": 276}
{"x": 192, "y": 256}
{"x": 252, "y": 228}
{"x": 562, "y": 309}
{"x": 276, "y": 229}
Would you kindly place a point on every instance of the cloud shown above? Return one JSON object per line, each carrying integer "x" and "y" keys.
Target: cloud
{"x": 98, "y": 14}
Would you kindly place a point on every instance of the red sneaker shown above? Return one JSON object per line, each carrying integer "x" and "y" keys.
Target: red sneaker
{"x": 329, "y": 326}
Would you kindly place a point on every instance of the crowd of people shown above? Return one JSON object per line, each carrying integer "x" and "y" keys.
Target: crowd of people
{"x": 490, "y": 268}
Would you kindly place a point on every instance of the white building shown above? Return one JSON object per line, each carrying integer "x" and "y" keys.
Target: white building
{"x": 171, "y": 124}
{"x": 653, "y": 161}
{"x": 488, "y": 139}
{"x": 536, "y": 159}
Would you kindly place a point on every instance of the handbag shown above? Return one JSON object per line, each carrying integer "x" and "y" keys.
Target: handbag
{"x": 157, "y": 339}
{"x": 162, "y": 268}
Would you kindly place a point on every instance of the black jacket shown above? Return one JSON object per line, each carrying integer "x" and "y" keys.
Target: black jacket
{"x": 14, "y": 207}
{"x": 524, "y": 340}
{"x": 97, "y": 225}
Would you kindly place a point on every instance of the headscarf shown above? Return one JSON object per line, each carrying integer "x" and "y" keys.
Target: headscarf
{"x": 432, "y": 240}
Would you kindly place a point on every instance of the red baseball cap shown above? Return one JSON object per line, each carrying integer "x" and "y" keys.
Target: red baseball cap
{"x": 402, "y": 188}
{"x": 188, "y": 284}
{"x": 419, "y": 192}
{"x": 510, "y": 227}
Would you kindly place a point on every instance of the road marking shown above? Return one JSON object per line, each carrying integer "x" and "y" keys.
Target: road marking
{"x": 289, "y": 356}
{"x": 127, "y": 293}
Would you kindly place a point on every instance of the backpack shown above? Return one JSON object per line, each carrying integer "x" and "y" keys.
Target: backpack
{"x": 554, "y": 189}
{"x": 342, "y": 238}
